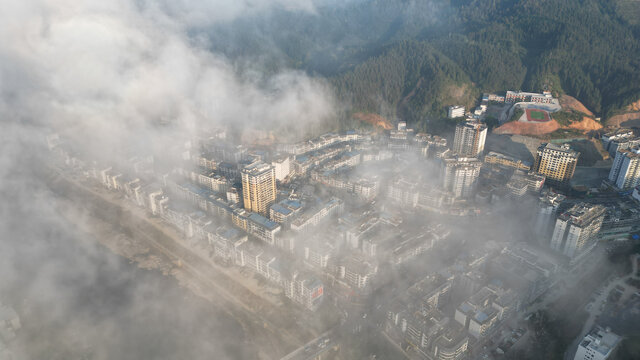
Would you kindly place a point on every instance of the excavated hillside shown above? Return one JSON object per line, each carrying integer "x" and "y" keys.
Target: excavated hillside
{"x": 631, "y": 117}
{"x": 570, "y": 103}
{"x": 586, "y": 124}
{"x": 527, "y": 128}
{"x": 374, "y": 119}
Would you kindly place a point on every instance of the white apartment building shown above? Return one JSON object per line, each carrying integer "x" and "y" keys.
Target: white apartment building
{"x": 625, "y": 170}
{"x": 470, "y": 138}
{"x": 576, "y": 229}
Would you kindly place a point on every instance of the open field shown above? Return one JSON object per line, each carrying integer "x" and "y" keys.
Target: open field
{"x": 537, "y": 115}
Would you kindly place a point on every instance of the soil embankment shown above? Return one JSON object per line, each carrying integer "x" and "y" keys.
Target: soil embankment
{"x": 374, "y": 119}
{"x": 570, "y": 103}
{"x": 586, "y": 124}
{"x": 527, "y": 128}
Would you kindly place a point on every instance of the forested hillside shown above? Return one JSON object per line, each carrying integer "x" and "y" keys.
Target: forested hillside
{"x": 410, "y": 58}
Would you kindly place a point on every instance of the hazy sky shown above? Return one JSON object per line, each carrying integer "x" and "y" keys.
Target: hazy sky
{"x": 118, "y": 75}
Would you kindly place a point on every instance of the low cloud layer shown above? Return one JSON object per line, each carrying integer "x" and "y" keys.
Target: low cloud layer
{"x": 116, "y": 77}
{"x": 124, "y": 72}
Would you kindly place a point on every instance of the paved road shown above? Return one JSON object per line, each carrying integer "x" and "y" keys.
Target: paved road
{"x": 313, "y": 348}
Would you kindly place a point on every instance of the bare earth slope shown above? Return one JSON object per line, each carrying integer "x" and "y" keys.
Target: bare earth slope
{"x": 374, "y": 119}
{"x": 526, "y": 128}
{"x": 570, "y": 103}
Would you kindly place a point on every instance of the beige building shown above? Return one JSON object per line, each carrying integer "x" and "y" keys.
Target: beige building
{"x": 258, "y": 187}
{"x": 505, "y": 160}
{"x": 556, "y": 163}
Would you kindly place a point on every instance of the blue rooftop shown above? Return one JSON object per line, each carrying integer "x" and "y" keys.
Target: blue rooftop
{"x": 281, "y": 209}
{"x": 465, "y": 307}
{"x": 231, "y": 234}
{"x": 259, "y": 219}
{"x": 481, "y": 317}
{"x": 204, "y": 192}
{"x": 295, "y": 204}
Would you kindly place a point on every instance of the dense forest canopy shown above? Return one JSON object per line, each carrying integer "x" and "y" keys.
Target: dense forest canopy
{"x": 410, "y": 58}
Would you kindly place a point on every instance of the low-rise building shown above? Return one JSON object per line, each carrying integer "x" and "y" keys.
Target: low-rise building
{"x": 314, "y": 216}
{"x": 455, "y": 111}
{"x": 505, "y": 160}
{"x": 285, "y": 210}
{"x": 304, "y": 289}
{"x": 598, "y": 344}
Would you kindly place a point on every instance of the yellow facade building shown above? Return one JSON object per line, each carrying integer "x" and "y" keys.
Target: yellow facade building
{"x": 258, "y": 187}
{"x": 556, "y": 163}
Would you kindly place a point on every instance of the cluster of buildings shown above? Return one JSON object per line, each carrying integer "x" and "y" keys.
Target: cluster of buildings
{"x": 307, "y": 218}
{"x": 249, "y": 208}
{"x": 458, "y": 311}
{"x": 417, "y": 320}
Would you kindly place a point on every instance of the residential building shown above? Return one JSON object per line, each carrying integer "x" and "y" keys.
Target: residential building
{"x": 548, "y": 205}
{"x": 619, "y": 139}
{"x": 617, "y": 134}
{"x": 625, "y": 170}
{"x": 505, "y": 160}
{"x": 576, "y": 229}
{"x": 451, "y": 344}
{"x": 210, "y": 179}
{"x": 485, "y": 309}
{"x": 556, "y": 163}
{"x": 282, "y": 167}
{"x": 314, "y": 216}
{"x": 404, "y": 192}
{"x": 284, "y": 211}
{"x": 304, "y": 289}
{"x": 470, "y": 138}
{"x": 356, "y": 271}
{"x": 460, "y": 175}
{"x": 262, "y": 228}
{"x": 258, "y": 187}
{"x": 598, "y": 344}
{"x": 455, "y": 112}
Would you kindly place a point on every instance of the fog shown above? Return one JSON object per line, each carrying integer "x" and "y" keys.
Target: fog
{"x": 118, "y": 78}
{"x": 123, "y": 78}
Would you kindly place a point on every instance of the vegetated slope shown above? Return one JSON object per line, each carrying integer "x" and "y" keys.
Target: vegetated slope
{"x": 409, "y": 79}
{"x": 582, "y": 48}
{"x": 410, "y": 58}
